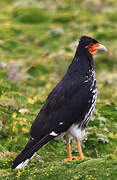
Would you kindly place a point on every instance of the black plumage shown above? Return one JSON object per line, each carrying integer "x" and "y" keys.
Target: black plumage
{"x": 71, "y": 103}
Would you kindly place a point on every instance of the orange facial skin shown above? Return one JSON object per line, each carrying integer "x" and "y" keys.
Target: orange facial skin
{"x": 92, "y": 48}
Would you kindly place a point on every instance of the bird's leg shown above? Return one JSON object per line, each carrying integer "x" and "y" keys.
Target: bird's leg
{"x": 79, "y": 150}
{"x": 69, "y": 153}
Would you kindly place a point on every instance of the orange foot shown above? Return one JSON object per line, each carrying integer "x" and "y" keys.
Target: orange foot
{"x": 68, "y": 159}
{"x": 76, "y": 158}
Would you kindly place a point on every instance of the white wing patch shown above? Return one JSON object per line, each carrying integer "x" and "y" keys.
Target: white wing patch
{"x": 60, "y": 123}
{"x": 24, "y": 163}
{"x": 53, "y": 133}
{"x": 33, "y": 155}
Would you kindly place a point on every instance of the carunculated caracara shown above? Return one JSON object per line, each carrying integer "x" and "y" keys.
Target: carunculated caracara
{"x": 69, "y": 107}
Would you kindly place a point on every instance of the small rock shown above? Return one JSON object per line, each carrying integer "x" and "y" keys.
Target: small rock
{"x": 3, "y": 64}
{"x": 23, "y": 111}
{"x": 39, "y": 159}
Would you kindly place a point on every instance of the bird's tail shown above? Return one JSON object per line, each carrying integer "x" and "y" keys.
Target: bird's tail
{"x": 27, "y": 154}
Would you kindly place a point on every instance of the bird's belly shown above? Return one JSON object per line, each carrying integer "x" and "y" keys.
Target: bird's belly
{"x": 74, "y": 132}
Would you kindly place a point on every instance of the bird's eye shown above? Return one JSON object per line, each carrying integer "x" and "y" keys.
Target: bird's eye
{"x": 91, "y": 44}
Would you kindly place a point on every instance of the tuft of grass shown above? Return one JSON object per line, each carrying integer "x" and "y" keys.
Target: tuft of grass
{"x": 108, "y": 35}
{"x": 31, "y": 15}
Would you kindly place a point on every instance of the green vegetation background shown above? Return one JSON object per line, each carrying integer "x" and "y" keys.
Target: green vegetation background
{"x": 37, "y": 43}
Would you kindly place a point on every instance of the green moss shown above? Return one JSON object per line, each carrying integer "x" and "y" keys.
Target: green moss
{"x": 112, "y": 16}
{"x": 64, "y": 18}
{"x": 89, "y": 169}
{"x": 108, "y": 35}
{"x": 31, "y": 15}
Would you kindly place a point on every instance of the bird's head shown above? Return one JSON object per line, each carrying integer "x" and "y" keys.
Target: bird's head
{"x": 91, "y": 44}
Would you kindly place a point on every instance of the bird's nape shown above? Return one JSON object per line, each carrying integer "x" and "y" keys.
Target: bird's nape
{"x": 86, "y": 40}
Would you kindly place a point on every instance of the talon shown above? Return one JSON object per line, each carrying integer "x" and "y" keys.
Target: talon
{"x": 68, "y": 159}
{"x": 76, "y": 158}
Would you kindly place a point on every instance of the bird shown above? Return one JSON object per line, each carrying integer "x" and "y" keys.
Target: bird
{"x": 69, "y": 106}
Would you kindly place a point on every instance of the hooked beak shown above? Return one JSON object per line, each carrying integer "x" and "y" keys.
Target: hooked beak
{"x": 96, "y": 47}
{"x": 102, "y": 47}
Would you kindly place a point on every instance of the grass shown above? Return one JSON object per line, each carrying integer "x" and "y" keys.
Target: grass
{"x": 37, "y": 43}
